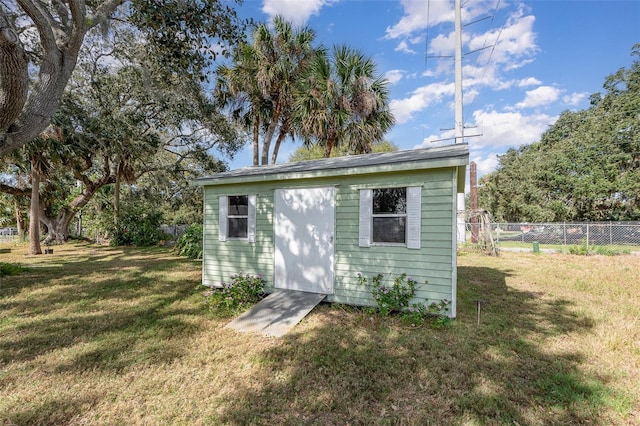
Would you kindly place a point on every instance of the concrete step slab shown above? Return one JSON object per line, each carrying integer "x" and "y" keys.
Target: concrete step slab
{"x": 277, "y": 313}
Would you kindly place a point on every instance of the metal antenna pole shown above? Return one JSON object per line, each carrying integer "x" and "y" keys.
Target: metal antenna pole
{"x": 459, "y": 124}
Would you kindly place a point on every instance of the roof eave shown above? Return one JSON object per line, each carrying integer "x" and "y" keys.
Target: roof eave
{"x": 453, "y": 161}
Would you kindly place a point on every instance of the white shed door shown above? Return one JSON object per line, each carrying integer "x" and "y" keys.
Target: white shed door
{"x": 304, "y": 225}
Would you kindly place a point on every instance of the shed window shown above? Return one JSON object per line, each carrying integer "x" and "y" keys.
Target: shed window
{"x": 390, "y": 216}
{"x": 237, "y": 217}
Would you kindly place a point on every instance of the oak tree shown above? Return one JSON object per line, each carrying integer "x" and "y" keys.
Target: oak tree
{"x": 40, "y": 43}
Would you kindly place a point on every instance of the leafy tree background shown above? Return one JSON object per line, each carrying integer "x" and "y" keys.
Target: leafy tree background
{"x": 124, "y": 119}
{"x": 40, "y": 44}
{"x": 316, "y": 152}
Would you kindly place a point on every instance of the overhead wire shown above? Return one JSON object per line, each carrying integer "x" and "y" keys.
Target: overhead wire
{"x": 426, "y": 48}
{"x": 491, "y": 23}
{"x": 495, "y": 43}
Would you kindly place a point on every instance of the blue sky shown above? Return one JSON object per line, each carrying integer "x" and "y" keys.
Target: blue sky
{"x": 544, "y": 57}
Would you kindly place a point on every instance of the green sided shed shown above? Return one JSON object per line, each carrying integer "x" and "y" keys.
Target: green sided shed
{"x": 315, "y": 225}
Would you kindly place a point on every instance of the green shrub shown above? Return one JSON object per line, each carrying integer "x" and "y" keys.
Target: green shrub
{"x": 419, "y": 313}
{"x": 11, "y": 269}
{"x": 394, "y": 297}
{"x": 137, "y": 227}
{"x": 607, "y": 251}
{"x": 584, "y": 250}
{"x": 190, "y": 243}
{"x": 243, "y": 291}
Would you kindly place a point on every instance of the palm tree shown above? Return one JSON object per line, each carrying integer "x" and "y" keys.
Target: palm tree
{"x": 237, "y": 90}
{"x": 260, "y": 87}
{"x": 284, "y": 58}
{"x": 40, "y": 169}
{"x": 342, "y": 101}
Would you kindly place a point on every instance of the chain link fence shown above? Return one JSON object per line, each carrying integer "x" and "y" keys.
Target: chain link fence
{"x": 8, "y": 235}
{"x": 174, "y": 230}
{"x": 559, "y": 235}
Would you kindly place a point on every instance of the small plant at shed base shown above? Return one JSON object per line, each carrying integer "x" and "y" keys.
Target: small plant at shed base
{"x": 438, "y": 312}
{"x": 394, "y": 297}
{"x": 241, "y": 292}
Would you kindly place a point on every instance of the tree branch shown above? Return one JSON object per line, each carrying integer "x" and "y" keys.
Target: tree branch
{"x": 60, "y": 56}
{"x": 103, "y": 12}
{"x": 14, "y": 77}
{"x": 79, "y": 25}
{"x": 62, "y": 11}
{"x": 12, "y": 190}
{"x": 45, "y": 24}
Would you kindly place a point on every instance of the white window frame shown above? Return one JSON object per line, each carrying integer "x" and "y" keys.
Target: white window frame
{"x": 413, "y": 216}
{"x": 388, "y": 215}
{"x": 230, "y": 217}
{"x": 223, "y": 217}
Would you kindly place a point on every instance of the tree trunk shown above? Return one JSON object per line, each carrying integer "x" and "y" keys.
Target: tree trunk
{"x": 34, "y": 212}
{"x": 276, "y": 148}
{"x": 116, "y": 195}
{"x": 14, "y": 83}
{"x": 58, "y": 228}
{"x": 266, "y": 143}
{"x": 328, "y": 147}
{"x": 21, "y": 220}
{"x": 256, "y": 139}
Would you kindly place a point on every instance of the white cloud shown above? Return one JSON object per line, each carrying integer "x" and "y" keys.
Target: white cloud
{"x": 518, "y": 38}
{"x": 512, "y": 46}
{"x": 517, "y": 64}
{"x": 422, "y": 97}
{"x": 574, "y": 99}
{"x": 415, "y": 17}
{"x": 476, "y": 76}
{"x": 469, "y": 95}
{"x": 394, "y": 76}
{"x": 542, "y": 95}
{"x": 417, "y": 39}
{"x": 472, "y": 10}
{"x": 502, "y": 85}
{"x": 531, "y": 81}
{"x": 497, "y": 131}
{"x": 403, "y": 46}
{"x": 443, "y": 45}
{"x": 502, "y": 129}
{"x": 418, "y": 14}
{"x": 485, "y": 163}
{"x": 428, "y": 73}
{"x": 296, "y": 11}
{"x": 444, "y": 138}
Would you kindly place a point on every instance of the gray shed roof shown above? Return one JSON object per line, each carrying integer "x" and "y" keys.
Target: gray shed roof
{"x": 421, "y": 158}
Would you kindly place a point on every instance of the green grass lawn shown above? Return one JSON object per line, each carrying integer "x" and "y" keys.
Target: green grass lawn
{"x": 94, "y": 335}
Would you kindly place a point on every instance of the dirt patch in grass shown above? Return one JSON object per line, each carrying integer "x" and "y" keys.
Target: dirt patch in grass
{"x": 97, "y": 335}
